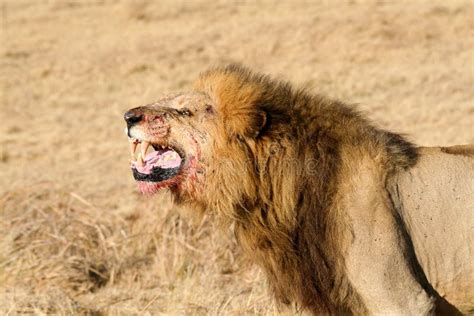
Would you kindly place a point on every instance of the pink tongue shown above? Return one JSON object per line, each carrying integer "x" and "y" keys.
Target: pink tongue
{"x": 165, "y": 159}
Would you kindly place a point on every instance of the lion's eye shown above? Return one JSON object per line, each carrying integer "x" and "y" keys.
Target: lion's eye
{"x": 185, "y": 112}
{"x": 209, "y": 109}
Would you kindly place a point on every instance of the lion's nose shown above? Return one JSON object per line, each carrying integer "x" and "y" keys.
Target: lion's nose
{"x": 132, "y": 117}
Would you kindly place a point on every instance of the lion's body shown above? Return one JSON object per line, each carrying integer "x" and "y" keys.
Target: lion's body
{"x": 332, "y": 208}
{"x": 435, "y": 200}
{"x": 411, "y": 249}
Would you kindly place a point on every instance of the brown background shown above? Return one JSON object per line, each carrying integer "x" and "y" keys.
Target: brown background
{"x": 75, "y": 236}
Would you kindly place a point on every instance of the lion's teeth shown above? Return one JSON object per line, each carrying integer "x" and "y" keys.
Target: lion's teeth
{"x": 140, "y": 161}
{"x": 133, "y": 147}
{"x": 144, "y": 148}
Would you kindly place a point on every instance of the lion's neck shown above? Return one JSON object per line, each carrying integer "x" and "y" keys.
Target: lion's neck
{"x": 301, "y": 261}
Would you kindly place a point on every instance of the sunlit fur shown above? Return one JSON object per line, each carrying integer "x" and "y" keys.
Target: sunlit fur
{"x": 272, "y": 162}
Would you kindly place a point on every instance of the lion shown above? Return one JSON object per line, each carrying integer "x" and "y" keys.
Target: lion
{"x": 343, "y": 217}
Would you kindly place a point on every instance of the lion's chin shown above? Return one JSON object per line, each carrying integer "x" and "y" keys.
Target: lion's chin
{"x": 150, "y": 188}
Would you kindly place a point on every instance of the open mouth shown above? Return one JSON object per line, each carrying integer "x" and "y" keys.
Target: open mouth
{"x": 160, "y": 164}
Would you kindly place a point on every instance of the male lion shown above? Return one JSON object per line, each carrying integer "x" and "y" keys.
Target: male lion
{"x": 344, "y": 217}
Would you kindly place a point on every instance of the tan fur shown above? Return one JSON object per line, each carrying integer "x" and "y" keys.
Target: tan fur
{"x": 303, "y": 181}
{"x": 435, "y": 199}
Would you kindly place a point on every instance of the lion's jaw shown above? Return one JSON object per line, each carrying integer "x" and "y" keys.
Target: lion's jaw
{"x": 174, "y": 162}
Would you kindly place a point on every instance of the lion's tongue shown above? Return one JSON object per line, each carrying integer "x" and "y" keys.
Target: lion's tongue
{"x": 164, "y": 159}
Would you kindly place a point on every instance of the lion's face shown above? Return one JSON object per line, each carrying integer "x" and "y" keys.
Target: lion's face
{"x": 167, "y": 141}
{"x": 203, "y": 141}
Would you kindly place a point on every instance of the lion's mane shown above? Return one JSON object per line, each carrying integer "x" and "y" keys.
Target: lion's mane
{"x": 276, "y": 174}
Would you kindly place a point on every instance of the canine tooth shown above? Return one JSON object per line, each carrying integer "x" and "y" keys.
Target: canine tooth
{"x": 133, "y": 147}
{"x": 144, "y": 148}
{"x": 140, "y": 161}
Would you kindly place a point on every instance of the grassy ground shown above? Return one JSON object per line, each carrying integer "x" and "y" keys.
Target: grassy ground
{"x": 75, "y": 235}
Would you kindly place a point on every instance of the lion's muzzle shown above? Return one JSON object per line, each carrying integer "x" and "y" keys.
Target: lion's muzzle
{"x": 149, "y": 128}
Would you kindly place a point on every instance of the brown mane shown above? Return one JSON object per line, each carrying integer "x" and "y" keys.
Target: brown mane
{"x": 276, "y": 175}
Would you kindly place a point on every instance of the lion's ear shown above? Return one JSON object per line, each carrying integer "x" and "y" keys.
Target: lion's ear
{"x": 248, "y": 124}
{"x": 259, "y": 124}
{"x": 237, "y": 95}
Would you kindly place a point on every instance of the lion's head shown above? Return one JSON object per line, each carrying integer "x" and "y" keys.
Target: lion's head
{"x": 197, "y": 138}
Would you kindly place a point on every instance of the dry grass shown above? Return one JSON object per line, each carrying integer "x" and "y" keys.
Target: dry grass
{"x": 62, "y": 255}
{"x": 76, "y": 237}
